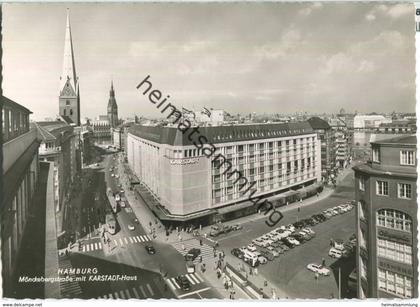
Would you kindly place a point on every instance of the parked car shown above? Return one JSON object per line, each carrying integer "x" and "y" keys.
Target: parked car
{"x": 267, "y": 255}
{"x": 292, "y": 241}
{"x": 237, "y": 253}
{"x": 305, "y": 235}
{"x": 237, "y": 227}
{"x": 262, "y": 260}
{"x": 317, "y": 268}
{"x": 252, "y": 247}
{"x": 284, "y": 247}
{"x": 122, "y": 204}
{"x": 183, "y": 282}
{"x": 131, "y": 227}
{"x": 298, "y": 237}
{"x": 327, "y": 214}
{"x": 279, "y": 250}
{"x": 287, "y": 243}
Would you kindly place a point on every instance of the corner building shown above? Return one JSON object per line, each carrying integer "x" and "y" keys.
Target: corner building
{"x": 386, "y": 220}
{"x": 278, "y": 158}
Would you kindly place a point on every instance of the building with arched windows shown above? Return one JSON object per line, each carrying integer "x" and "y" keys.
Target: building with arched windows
{"x": 386, "y": 220}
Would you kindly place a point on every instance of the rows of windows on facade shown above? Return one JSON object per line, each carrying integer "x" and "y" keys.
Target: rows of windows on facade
{"x": 387, "y": 197}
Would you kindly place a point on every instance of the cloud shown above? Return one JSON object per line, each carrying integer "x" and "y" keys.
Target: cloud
{"x": 308, "y": 10}
{"x": 370, "y": 17}
{"x": 289, "y": 42}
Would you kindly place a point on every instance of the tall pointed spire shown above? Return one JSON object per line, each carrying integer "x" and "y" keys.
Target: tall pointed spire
{"x": 69, "y": 68}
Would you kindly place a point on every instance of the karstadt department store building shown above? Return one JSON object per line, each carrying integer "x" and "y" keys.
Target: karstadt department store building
{"x": 188, "y": 185}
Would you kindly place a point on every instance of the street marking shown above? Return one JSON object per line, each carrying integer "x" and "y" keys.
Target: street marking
{"x": 175, "y": 283}
{"x": 125, "y": 239}
{"x": 199, "y": 277}
{"x": 135, "y": 240}
{"x": 87, "y": 247}
{"x": 194, "y": 292}
{"x": 138, "y": 238}
{"x": 131, "y": 240}
{"x": 190, "y": 279}
{"x": 150, "y": 289}
{"x": 100, "y": 245}
{"x": 115, "y": 242}
{"x": 84, "y": 228}
{"x": 110, "y": 295}
{"x": 116, "y": 295}
{"x": 142, "y": 291}
{"x": 96, "y": 246}
{"x": 170, "y": 284}
{"x": 83, "y": 248}
{"x": 122, "y": 294}
{"x": 128, "y": 293}
{"x": 121, "y": 242}
{"x": 135, "y": 293}
{"x": 194, "y": 278}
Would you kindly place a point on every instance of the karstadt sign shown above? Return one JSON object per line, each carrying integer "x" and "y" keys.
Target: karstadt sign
{"x": 184, "y": 161}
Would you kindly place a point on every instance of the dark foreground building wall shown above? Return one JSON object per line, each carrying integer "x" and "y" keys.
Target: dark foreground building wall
{"x": 20, "y": 175}
{"x": 386, "y": 220}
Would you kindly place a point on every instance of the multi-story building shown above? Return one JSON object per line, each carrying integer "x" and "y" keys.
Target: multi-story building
{"x": 399, "y": 126}
{"x": 20, "y": 177}
{"x": 119, "y": 136}
{"x": 326, "y": 135}
{"x": 386, "y": 220}
{"x": 58, "y": 146}
{"x": 188, "y": 184}
{"x": 101, "y": 129}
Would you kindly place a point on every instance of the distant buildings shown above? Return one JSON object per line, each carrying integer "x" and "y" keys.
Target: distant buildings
{"x": 278, "y": 159}
{"x": 369, "y": 121}
{"x": 101, "y": 129}
{"x": 20, "y": 178}
{"x": 386, "y": 220}
{"x": 327, "y": 137}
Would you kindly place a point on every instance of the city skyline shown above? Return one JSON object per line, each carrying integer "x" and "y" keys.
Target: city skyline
{"x": 236, "y": 66}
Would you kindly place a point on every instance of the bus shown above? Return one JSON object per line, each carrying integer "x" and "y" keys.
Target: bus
{"x": 112, "y": 201}
{"x": 111, "y": 223}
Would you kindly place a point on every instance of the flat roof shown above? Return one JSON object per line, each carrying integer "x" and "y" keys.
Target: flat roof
{"x": 220, "y": 134}
{"x": 401, "y": 140}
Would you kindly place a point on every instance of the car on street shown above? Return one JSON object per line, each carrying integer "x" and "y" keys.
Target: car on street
{"x": 131, "y": 227}
{"x": 274, "y": 252}
{"x": 237, "y": 227}
{"x": 287, "y": 243}
{"x": 117, "y": 197}
{"x": 327, "y": 214}
{"x": 309, "y": 231}
{"x": 298, "y": 237}
{"x": 262, "y": 260}
{"x": 252, "y": 247}
{"x": 122, "y": 204}
{"x": 150, "y": 249}
{"x": 237, "y": 253}
{"x": 284, "y": 247}
{"x": 183, "y": 282}
{"x": 279, "y": 250}
{"x": 192, "y": 254}
{"x": 136, "y": 221}
{"x": 289, "y": 240}
{"x": 305, "y": 235}
{"x": 317, "y": 268}
{"x": 112, "y": 175}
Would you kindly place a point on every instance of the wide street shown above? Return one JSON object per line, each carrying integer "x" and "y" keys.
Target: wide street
{"x": 153, "y": 276}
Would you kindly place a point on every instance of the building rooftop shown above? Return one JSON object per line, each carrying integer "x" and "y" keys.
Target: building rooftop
{"x": 318, "y": 123}
{"x": 11, "y": 103}
{"x": 221, "y": 134}
{"x": 401, "y": 140}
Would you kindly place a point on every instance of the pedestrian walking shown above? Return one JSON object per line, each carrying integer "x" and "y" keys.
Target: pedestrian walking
{"x": 250, "y": 271}
{"x": 255, "y": 271}
{"x": 316, "y": 276}
{"x": 265, "y": 283}
{"x": 323, "y": 262}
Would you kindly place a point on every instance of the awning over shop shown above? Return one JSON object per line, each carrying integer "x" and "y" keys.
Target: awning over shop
{"x": 235, "y": 207}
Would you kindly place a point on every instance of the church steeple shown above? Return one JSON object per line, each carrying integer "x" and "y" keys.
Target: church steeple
{"x": 112, "y": 107}
{"x": 69, "y": 99}
{"x": 69, "y": 68}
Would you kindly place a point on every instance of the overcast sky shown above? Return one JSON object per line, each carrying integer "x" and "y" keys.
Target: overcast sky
{"x": 267, "y": 58}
